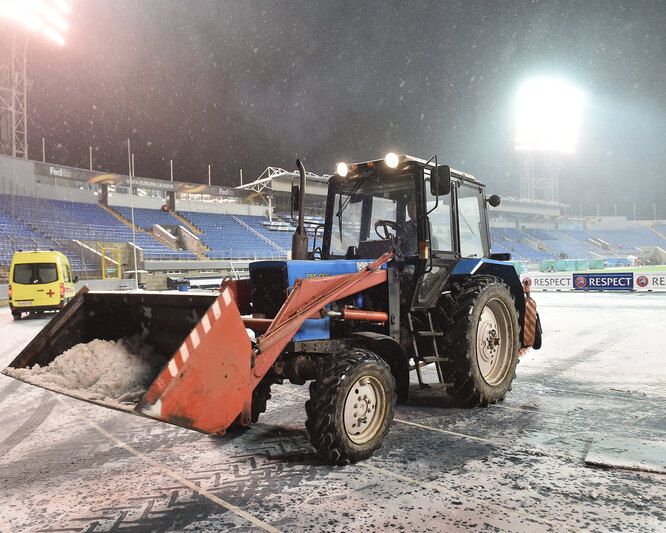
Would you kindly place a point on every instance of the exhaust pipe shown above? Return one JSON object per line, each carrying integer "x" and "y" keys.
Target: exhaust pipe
{"x": 299, "y": 241}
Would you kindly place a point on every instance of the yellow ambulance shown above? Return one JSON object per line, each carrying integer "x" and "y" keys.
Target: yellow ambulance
{"x": 39, "y": 281}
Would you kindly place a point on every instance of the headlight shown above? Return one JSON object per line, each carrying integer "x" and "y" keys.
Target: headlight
{"x": 391, "y": 160}
{"x": 342, "y": 169}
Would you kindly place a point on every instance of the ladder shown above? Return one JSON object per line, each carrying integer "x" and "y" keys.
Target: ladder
{"x": 419, "y": 360}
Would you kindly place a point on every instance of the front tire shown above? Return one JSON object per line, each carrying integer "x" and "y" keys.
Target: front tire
{"x": 351, "y": 406}
{"x": 483, "y": 341}
{"x": 260, "y": 396}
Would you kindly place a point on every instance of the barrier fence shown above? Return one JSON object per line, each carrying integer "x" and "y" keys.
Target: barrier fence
{"x": 597, "y": 281}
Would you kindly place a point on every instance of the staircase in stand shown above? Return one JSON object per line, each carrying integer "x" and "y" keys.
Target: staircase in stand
{"x": 262, "y": 237}
{"x": 137, "y": 228}
{"x": 189, "y": 225}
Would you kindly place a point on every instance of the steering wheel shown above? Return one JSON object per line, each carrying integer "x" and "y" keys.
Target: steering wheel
{"x": 400, "y": 232}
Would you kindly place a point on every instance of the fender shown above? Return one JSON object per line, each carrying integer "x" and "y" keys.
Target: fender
{"x": 499, "y": 269}
{"x": 504, "y": 271}
{"x": 392, "y": 353}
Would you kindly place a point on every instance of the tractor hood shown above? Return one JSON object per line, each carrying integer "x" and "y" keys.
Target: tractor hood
{"x": 270, "y": 282}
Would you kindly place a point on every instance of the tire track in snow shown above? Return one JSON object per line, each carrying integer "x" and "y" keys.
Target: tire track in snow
{"x": 560, "y": 366}
{"x": 31, "y": 424}
{"x": 8, "y": 390}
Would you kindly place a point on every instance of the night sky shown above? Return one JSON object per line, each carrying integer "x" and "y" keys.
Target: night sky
{"x": 250, "y": 84}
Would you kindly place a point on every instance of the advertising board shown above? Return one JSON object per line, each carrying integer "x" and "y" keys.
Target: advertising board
{"x": 650, "y": 281}
{"x": 597, "y": 281}
{"x": 550, "y": 282}
{"x": 603, "y": 281}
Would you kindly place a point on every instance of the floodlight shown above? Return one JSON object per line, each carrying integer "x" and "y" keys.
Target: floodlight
{"x": 47, "y": 17}
{"x": 548, "y": 115}
{"x": 342, "y": 169}
{"x": 391, "y": 160}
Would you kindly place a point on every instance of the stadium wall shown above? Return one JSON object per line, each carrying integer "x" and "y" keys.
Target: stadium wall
{"x": 17, "y": 176}
{"x": 124, "y": 200}
{"x": 68, "y": 194}
{"x": 217, "y": 207}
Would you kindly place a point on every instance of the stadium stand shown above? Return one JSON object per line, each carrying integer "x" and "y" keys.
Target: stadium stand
{"x": 631, "y": 239}
{"x": 16, "y": 235}
{"x": 57, "y": 220}
{"x": 236, "y": 236}
{"x": 145, "y": 218}
{"x": 519, "y": 244}
{"x": 52, "y": 224}
{"x": 563, "y": 245}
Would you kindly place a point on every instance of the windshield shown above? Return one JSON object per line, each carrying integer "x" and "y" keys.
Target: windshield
{"x": 371, "y": 210}
{"x": 35, "y": 273}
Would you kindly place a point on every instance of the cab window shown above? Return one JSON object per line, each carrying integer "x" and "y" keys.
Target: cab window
{"x": 35, "y": 273}
{"x": 382, "y": 209}
{"x": 469, "y": 220}
{"x": 440, "y": 220}
{"x": 347, "y": 232}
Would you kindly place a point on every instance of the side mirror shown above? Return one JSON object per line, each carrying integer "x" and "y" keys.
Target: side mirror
{"x": 440, "y": 180}
{"x": 295, "y": 198}
{"x": 76, "y": 279}
{"x": 494, "y": 201}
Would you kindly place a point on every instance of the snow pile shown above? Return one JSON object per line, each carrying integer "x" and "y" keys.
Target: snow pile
{"x": 114, "y": 371}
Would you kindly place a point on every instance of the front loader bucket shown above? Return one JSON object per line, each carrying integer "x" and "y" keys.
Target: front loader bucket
{"x": 201, "y": 353}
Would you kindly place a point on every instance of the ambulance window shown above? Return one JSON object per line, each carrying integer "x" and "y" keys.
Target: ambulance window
{"x": 23, "y": 274}
{"x": 67, "y": 274}
{"x": 35, "y": 273}
{"x": 47, "y": 273}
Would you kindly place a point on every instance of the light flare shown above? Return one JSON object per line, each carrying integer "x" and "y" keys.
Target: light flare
{"x": 391, "y": 160}
{"x": 548, "y": 116}
{"x": 47, "y": 17}
{"x": 342, "y": 169}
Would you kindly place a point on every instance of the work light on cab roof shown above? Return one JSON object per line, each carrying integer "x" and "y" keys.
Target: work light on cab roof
{"x": 391, "y": 160}
{"x": 341, "y": 169}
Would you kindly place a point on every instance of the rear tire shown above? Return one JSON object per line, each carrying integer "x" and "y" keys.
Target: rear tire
{"x": 17, "y": 316}
{"x": 483, "y": 340}
{"x": 351, "y": 406}
{"x": 260, "y": 396}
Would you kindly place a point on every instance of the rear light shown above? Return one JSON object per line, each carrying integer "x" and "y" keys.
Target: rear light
{"x": 62, "y": 290}
{"x": 9, "y": 292}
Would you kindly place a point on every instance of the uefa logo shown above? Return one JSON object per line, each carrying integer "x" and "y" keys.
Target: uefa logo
{"x": 581, "y": 281}
{"x": 642, "y": 281}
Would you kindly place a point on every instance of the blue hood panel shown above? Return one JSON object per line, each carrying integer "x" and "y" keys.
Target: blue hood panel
{"x": 313, "y": 328}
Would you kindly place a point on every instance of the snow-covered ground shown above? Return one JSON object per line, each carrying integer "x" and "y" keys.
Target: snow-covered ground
{"x": 593, "y": 397}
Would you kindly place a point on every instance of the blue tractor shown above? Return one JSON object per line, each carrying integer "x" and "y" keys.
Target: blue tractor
{"x": 446, "y": 301}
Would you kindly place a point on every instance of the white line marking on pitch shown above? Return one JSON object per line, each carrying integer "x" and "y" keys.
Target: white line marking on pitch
{"x": 237, "y": 510}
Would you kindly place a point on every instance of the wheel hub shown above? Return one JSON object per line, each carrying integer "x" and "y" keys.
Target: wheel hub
{"x": 487, "y": 337}
{"x": 492, "y": 354}
{"x": 360, "y": 407}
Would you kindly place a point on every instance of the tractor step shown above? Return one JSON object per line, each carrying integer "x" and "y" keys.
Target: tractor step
{"x": 428, "y": 360}
{"x": 427, "y": 333}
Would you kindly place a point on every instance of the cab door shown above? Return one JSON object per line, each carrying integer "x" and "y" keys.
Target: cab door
{"x": 433, "y": 272}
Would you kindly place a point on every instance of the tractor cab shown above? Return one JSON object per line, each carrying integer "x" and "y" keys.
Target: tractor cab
{"x": 430, "y": 215}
